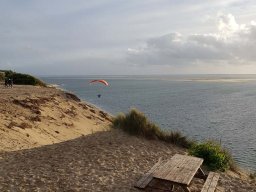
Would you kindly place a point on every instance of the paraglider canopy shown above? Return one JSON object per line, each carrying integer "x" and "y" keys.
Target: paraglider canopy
{"x": 99, "y": 81}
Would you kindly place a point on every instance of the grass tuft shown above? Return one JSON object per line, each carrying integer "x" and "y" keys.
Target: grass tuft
{"x": 136, "y": 123}
{"x": 177, "y": 138}
{"x": 215, "y": 157}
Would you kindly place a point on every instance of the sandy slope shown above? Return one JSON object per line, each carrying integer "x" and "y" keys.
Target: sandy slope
{"x": 104, "y": 161}
{"x": 107, "y": 160}
{"x": 34, "y": 116}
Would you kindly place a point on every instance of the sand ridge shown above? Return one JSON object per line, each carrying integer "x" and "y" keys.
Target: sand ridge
{"x": 34, "y": 116}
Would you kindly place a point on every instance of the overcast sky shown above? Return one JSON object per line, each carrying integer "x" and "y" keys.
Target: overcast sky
{"x": 116, "y": 37}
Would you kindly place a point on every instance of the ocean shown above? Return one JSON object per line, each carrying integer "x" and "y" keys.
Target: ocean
{"x": 203, "y": 107}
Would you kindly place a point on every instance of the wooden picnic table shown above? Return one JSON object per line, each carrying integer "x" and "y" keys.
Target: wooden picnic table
{"x": 177, "y": 171}
{"x": 180, "y": 170}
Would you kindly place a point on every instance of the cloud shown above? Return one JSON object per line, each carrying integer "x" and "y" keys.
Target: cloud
{"x": 39, "y": 36}
{"x": 233, "y": 43}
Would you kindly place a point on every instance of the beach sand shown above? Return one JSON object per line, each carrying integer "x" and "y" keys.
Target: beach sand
{"x": 35, "y": 116}
{"x": 86, "y": 154}
{"x": 104, "y": 161}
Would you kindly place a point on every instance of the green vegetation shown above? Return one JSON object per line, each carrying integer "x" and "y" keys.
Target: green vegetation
{"x": 215, "y": 157}
{"x": 253, "y": 176}
{"x": 2, "y": 75}
{"x": 136, "y": 123}
{"x": 25, "y": 79}
{"x": 22, "y": 79}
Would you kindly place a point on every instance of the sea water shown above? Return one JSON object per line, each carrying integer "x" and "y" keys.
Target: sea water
{"x": 219, "y": 107}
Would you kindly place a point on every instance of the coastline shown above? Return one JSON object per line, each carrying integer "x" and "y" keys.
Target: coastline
{"x": 245, "y": 170}
{"x": 195, "y": 108}
{"x": 102, "y": 160}
{"x": 56, "y": 86}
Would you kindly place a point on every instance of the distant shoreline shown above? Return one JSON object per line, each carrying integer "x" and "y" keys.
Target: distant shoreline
{"x": 56, "y": 86}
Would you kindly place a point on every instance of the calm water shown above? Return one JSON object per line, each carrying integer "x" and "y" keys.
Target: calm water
{"x": 203, "y": 107}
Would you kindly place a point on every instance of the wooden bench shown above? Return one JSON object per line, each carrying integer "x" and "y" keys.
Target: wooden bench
{"x": 146, "y": 178}
{"x": 211, "y": 182}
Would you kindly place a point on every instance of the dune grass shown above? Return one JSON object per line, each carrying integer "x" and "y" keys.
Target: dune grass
{"x": 136, "y": 123}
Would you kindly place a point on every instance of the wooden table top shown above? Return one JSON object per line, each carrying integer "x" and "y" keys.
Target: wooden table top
{"x": 179, "y": 169}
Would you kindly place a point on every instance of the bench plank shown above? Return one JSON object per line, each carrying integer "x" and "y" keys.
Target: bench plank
{"x": 211, "y": 182}
{"x": 146, "y": 178}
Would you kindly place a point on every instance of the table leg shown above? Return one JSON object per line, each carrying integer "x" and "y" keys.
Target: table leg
{"x": 157, "y": 185}
{"x": 200, "y": 174}
{"x": 186, "y": 189}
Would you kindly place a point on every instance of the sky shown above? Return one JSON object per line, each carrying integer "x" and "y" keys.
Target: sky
{"x": 134, "y": 37}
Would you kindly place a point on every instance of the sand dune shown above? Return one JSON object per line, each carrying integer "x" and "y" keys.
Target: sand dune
{"x": 104, "y": 161}
{"x": 47, "y": 145}
{"x": 34, "y": 116}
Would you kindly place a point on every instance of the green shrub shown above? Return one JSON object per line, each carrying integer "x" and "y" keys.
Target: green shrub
{"x": 136, "y": 123}
{"x": 215, "y": 157}
{"x": 252, "y": 176}
{"x": 23, "y": 79}
{"x": 2, "y": 76}
{"x": 8, "y": 73}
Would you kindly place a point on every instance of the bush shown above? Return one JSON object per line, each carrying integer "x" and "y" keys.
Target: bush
{"x": 8, "y": 73}
{"x": 215, "y": 157}
{"x": 136, "y": 123}
{"x": 2, "y": 76}
{"x": 23, "y": 79}
{"x": 252, "y": 176}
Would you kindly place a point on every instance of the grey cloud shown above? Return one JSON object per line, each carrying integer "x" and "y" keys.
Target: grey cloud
{"x": 233, "y": 44}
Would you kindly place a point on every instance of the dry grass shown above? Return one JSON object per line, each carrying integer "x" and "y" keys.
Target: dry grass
{"x": 136, "y": 123}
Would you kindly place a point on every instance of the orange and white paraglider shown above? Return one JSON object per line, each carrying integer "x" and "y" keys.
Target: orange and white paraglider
{"x": 99, "y": 81}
